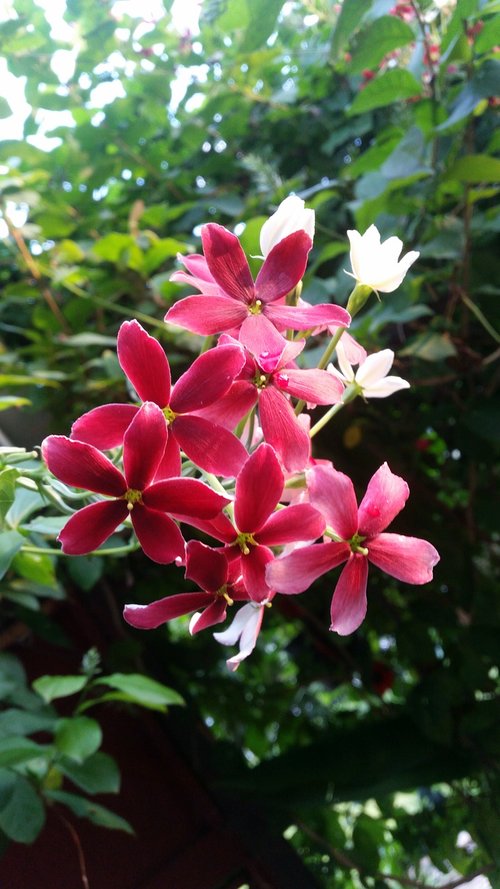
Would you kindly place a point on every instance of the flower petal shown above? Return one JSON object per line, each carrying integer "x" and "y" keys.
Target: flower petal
{"x": 283, "y": 268}
{"x": 144, "y": 446}
{"x": 158, "y": 535}
{"x": 207, "y": 315}
{"x": 387, "y": 386}
{"x": 227, "y": 262}
{"x": 208, "y": 378}
{"x": 184, "y": 496}
{"x": 253, "y": 571}
{"x": 88, "y": 528}
{"x": 259, "y": 486}
{"x": 245, "y": 627}
{"x": 144, "y": 363}
{"x": 233, "y": 406}
{"x": 282, "y": 429}
{"x": 82, "y": 466}
{"x": 333, "y": 494}
{"x": 314, "y": 386}
{"x": 211, "y": 447}
{"x": 410, "y": 559}
{"x": 299, "y": 522}
{"x": 208, "y": 567}
{"x": 262, "y": 339}
{"x": 104, "y": 426}
{"x": 214, "y": 613}
{"x": 148, "y": 617}
{"x": 306, "y": 317}
{"x": 385, "y": 496}
{"x": 374, "y": 368}
{"x": 295, "y": 572}
{"x": 348, "y": 608}
{"x": 291, "y": 216}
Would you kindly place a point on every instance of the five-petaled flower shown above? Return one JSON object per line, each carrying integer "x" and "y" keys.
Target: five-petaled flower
{"x": 370, "y": 380}
{"x": 375, "y": 264}
{"x": 359, "y": 539}
{"x": 134, "y": 492}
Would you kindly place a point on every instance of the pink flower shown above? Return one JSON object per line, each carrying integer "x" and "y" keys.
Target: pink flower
{"x": 133, "y": 491}
{"x": 146, "y": 366}
{"x": 257, "y": 526}
{"x": 217, "y": 578}
{"x": 360, "y": 537}
{"x": 269, "y": 377}
{"x": 239, "y": 301}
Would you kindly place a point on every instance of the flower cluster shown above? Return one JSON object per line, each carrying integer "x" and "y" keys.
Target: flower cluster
{"x": 226, "y": 449}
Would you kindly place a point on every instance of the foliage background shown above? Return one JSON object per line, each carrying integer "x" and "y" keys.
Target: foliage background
{"x": 372, "y": 753}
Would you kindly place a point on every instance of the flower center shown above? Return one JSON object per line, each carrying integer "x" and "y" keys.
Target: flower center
{"x": 132, "y": 497}
{"x": 222, "y": 591}
{"x": 244, "y": 541}
{"x": 355, "y": 544}
{"x": 255, "y": 308}
{"x": 169, "y": 414}
{"x": 260, "y": 380}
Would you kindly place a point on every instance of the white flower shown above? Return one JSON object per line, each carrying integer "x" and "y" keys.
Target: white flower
{"x": 371, "y": 376}
{"x": 245, "y": 628}
{"x": 291, "y": 216}
{"x": 377, "y": 265}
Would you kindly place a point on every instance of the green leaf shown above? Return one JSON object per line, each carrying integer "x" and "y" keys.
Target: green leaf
{"x": 86, "y": 570}
{"x": 98, "y": 774}
{"x": 7, "y": 489}
{"x": 22, "y": 814}
{"x": 141, "y": 690}
{"x": 84, "y": 808}
{"x": 9, "y": 401}
{"x": 476, "y": 168}
{"x": 263, "y": 15}
{"x": 78, "y": 737}
{"x": 15, "y": 721}
{"x": 350, "y": 18}
{"x": 5, "y": 109}
{"x": 34, "y": 566}
{"x": 392, "y": 86}
{"x": 430, "y": 347}
{"x": 10, "y": 544}
{"x": 52, "y": 687}
{"x": 14, "y": 750}
{"x": 378, "y": 38}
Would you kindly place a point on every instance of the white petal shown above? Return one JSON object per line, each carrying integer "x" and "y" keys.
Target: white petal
{"x": 374, "y": 368}
{"x": 376, "y": 264}
{"x": 234, "y": 631}
{"x": 291, "y": 216}
{"x": 344, "y": 365}
{"x": 386, "y": 387}
{"x": 247, "y": 624}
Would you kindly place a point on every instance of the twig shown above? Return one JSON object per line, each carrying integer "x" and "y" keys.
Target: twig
{"x": 35, "y": 271}
{"x": 76, "y": 839}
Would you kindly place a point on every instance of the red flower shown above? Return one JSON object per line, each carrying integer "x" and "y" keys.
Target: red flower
{"x": 133, "y": 491}
{"x": 359, "y": 532}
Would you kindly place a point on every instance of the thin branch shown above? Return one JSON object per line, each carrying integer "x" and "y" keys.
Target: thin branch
{"x": 76, "y": 839}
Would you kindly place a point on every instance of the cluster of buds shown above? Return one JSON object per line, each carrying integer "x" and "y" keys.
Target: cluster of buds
{"x": 226, "y": 449}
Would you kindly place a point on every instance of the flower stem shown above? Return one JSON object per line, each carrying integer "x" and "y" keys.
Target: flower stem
{"x": 110, "y": 551}
{"x": 326, "y": 418}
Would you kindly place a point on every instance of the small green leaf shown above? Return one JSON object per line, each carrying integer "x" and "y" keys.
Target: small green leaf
{"x": 263, "y": 15}
{"x": 349, "y": 20}
{"x": 34, "y": 566}
{"x": 52, "y": 687}
{"x": 84, "y": 808}
{"x": 10, "y": 544}
{"x": 7, "y": 489}
{"x": 380, "y": 36}
{"x": 98, "y": 774}
{"x": 392, "y": 86}
{"x": 430, "y": 347}
{"x": 22, "y": 814}
{"x": 16, "y": 749}
{"x": 141, "y": 690}
{"x": 78, "y": 737}
{"x": 476, "y": 168}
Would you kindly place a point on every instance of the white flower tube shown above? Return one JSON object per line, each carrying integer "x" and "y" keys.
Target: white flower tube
{"x": 291, "y": 216}
{"x": 376, "y": 264}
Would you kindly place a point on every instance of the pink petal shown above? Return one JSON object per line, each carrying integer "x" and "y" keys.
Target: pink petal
{"x": 144, "y": 445}
{"x": 410, "y": 559}
{"x": 227, "y": 262}
{"x": 300, "y": 318}
{"x": 289, "y": 525}
{"x": 385, "y": 497}
{"x": 208, "y": 378}
{"x": 313, "y": 386}
{"x": 206, "y": 566}
{"x": 283, "y": 267}
{"x": 211, "y": 447}
{"x": 82, "y": 466}
{"x": 88, "y": 528}
{"x": 214, "y": 613}
{"x": 184, "y": 496}
{"x": 295, "y": 572}
{"x": 220, "y": 528}
{"x": 282, "y": 429}
{"x": 148, "y": 617}
{"x": 333, "y": 494}
{"x": 144, "y": 362}
{"x": 207, "y": 315}
{"x": 348, "y": 607}
{"x": 253, "y": 570}
{"x": 196, "y": 265}
{"x": 158, "y": 534}
{"x": 233, "y": 406}
{"x": 262, "y": 339}
{"x": 105, "y": 426}
{"x": 259, "y": 486}
{"x": 170, "y": 464}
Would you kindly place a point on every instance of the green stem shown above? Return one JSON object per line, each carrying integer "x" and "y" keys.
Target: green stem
{"x": 111, "y": 551}
{"x": 480, "y": 317}
{"x": 326, "y": 418}
{"x": 106, "y": 304}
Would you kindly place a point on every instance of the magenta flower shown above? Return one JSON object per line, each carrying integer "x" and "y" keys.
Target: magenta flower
{"x": 239, "y": 301}
{"x": 218, "y": 579}
{"x": 269, "y": 377}
{"x": 134, "y": 493}
{"x": 361, "y": 540}
{"x": 146, "y": 366}
{"x": 257, "y": 527}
